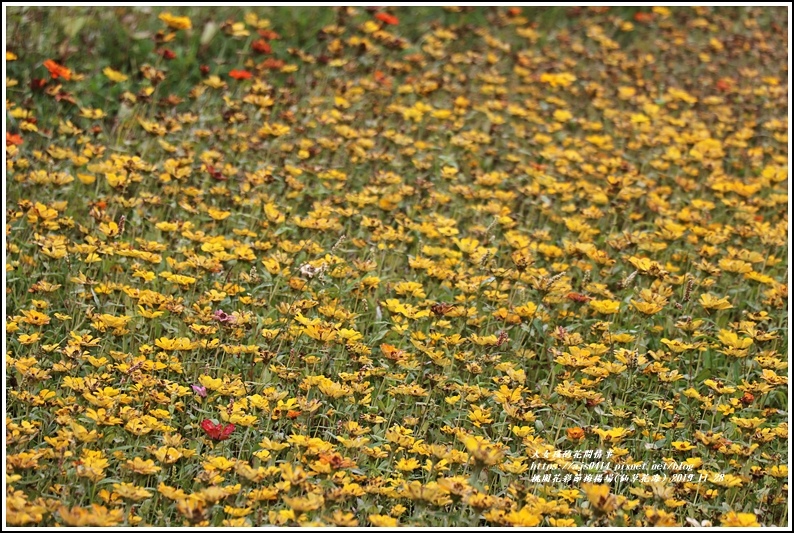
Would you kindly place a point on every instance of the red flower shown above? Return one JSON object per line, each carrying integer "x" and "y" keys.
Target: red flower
{"x": 261, "y": 46}
{"x": 216, "y": 174}
{"x": 387, "y": 19}
{"x": 57, "y": 70}
{"x": 216, "y": 431}
{"x": 239, "y": 74}
{"x": 37, "y": 84}
{"x": 166, "y": 53}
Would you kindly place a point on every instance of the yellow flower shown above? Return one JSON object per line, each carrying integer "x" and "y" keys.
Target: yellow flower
{"x": 218, "y": 463}
{"x": 613, "y": 435}
{"x": 382, "y": 520}
{"x": 237, "y": 29}
{"x": 141, "y": 466}
{"x": 97, "y": 515}
{"x": 104, "y": 321}
{"x": 87, "y": 112}
{"x": 83, "y": 435}
{"x": 321, "y": 332}
{"x": 92, "y": 465}
{"x": 711, "y": 302}
{"x": 132, "y": 492}
{"x": 677, "y": 346}
{"x": 218, "y": 214}
{"x": 733, "y": 519}
{"x": 114, "y": 75}
{"x": 29, "y": 339}
{"x": 526, "y": 517}
{"x": 660, "y": 518}
{"x": 35, "y": 318}
{"x": 310, "y": 502}
{"x": 343, "y": 519}
{"x": 483, "y": 451}
{"x": 407, "y": 465}
{"x": 564, "y": 79}
{"x": 178, "y": 344}
{"x": 243, "y": 420}
{"x": 732, "y": 340}
{"x": 167, "y": 454}
{"x": 215, "y": 82}
{"x": 649, "y": 308}
{"x": 606, "y": 307}
{"x": 485, "y": 340}
{"x": 479, "y": 416}
{"x": 600, "y": 497}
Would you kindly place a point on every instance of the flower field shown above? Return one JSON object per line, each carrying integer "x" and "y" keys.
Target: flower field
{"x": 397, "y": 266}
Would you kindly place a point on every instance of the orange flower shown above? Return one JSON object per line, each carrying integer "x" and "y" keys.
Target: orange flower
{"x": 57, "y": 70}
{"x": 271, "y": 63}
{"x": 269, "y": 35}
{"x": 643, "y": 17}
{"x": 724, "y": 84}
{"x": 13, "y": 138}
{"x": 575, "y": 433}
{"x": 579, "y": 298}
{"x": 239, "y": 74}
{"x": 387, "y": 19}
{"x": 382, "y": 78}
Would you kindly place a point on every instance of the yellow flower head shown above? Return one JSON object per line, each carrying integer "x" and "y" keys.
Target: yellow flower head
{"x": 176, "y": 23}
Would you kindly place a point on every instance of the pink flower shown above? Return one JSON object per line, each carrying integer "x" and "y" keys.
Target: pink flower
{"x": 223, "y": 318}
